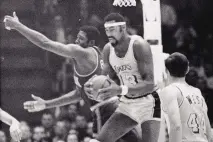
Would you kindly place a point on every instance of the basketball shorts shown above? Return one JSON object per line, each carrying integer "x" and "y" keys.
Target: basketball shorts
{"x": 142, "y": 108}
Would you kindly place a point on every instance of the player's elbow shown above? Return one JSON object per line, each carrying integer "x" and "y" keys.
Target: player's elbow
{"x": 46, "y": 44}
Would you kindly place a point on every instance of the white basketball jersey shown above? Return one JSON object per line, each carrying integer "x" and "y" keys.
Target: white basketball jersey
{"x": 192, "y": 107}
{"x": 126, "y": 68}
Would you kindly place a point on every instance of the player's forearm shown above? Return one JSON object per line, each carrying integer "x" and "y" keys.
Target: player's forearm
{"x": 35, "y": 37}
{"x": 175, "y": 134}
{"x": 6, "y": 117}
{"x": 143, "y": 88}
{"x": 71, "y": 97}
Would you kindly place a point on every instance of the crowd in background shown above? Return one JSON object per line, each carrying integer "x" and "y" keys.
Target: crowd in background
{"x": 185, "y": 28}
{"x": 68, "y": 126}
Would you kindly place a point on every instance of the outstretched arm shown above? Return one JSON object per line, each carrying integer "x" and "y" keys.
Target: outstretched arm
{"x": 69, "y": 51}
{"x": 71, "y": 97}
{"x": 39, "y": 104}
{"x": 8, "y": 119}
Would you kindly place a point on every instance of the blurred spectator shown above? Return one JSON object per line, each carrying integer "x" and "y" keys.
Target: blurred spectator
{"x": 201, "y": 84}
{"x": 95, "y": 20}
{"x": 196, "y": 63}
{"x": 47, "y": 121}
{"x": 72, "y": 112}
{"x": 73, "y": 131}
{"x": 90, "y": 129}
{"x": 185, "y": 38}
{"x": 73, "y": 125}
{"x": 2, "y": 136}
{"x": 72, "y": 138}
{"x": 59, "y": 29}
{"x": 60, "y": 131}
{"x": 81, "y": 124}
{"x": 87, "y": 139}
{"x": 26, "y": 132}
{"x": 168, "y": 15}
{"x": 208, "y": 69}
{"x": 210, "y": 82}
{"x": 192, "y": 77}
{"x": 39, "y": 134}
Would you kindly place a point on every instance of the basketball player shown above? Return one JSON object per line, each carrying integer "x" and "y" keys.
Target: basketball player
{"x": 87, "y": 62}
{"x": 183, "y": 105}
{"x": 15, "y": 131}
{"x": 129, "y": 58}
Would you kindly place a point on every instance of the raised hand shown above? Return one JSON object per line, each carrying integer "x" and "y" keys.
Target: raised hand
{"x": 37, "y": 105}
{"x": 11, "y": 21}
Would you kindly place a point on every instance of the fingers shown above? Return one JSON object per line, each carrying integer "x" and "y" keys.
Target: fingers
{"x": 88, "y": 84}
{"x": 15, "y": 132}
{"x": 16, "y": 135}
{"x": 29, "y": 106}
{"x": 103, "y": 90}
{"x": 35, "y": 97}
{"x": 14, "y": 14}
{"x": 8, "y": 17}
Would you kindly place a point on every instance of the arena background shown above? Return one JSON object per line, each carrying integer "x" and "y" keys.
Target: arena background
{"x": 26, "y": 69}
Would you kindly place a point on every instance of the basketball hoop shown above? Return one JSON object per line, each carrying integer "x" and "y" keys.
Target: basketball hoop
{"x": 124, "y": 3}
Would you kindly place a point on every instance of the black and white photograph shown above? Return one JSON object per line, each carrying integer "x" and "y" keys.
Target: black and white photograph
{"x": 106, "y": 71}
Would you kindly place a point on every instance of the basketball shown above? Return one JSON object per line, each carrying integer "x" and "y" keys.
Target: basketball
{"x": 99, "y": 82}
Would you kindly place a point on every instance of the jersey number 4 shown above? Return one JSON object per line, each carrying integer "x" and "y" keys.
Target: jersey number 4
{"x": 195, "y": 124}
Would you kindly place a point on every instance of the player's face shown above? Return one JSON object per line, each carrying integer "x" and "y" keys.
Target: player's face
{"x": 82, "y": 39}
{"x": 114, "y": 34}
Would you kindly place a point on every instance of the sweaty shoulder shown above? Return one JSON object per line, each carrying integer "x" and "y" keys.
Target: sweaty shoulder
{"x": 141, "y": 48}
{"x": 106, "y": 49}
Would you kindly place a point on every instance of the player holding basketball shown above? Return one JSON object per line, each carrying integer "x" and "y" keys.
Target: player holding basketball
{"x": 15, "y": 131}
{"x": 129, "y": 58}
{"x": 84, "y": 68}
{"x": 183, "y": 104}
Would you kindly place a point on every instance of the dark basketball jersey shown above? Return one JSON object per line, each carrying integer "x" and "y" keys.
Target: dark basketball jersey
{"x": 80, "y": 80}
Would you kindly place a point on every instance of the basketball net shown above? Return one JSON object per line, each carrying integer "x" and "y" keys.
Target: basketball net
{"x": 151, "y": 19}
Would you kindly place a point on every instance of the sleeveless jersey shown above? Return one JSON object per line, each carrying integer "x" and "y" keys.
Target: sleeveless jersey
{"x": 126, "y": 67}
{"x": 192, "y": 107}
{"x": 80, "y": 80}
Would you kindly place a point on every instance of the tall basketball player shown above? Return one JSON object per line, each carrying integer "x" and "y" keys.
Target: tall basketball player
{"x": 15, "y": 131}
{"x": 183, "y": 105}
{"x": 87, "y": 62}
{"x": 130, "y": 59}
